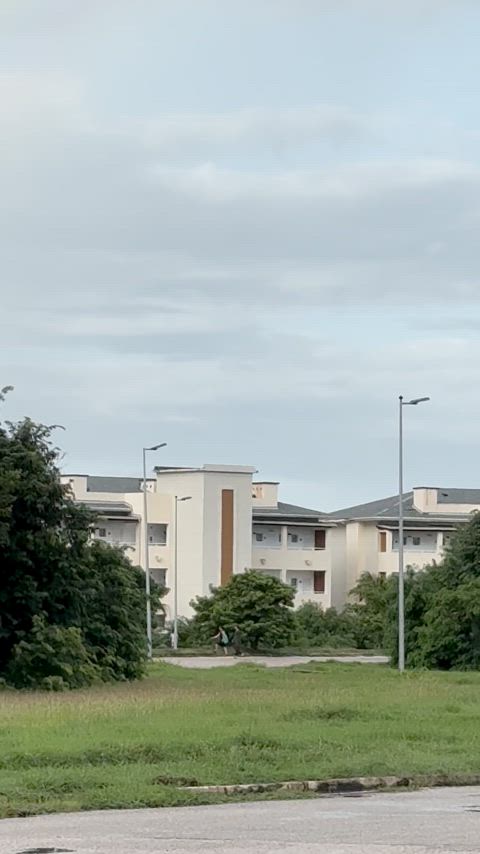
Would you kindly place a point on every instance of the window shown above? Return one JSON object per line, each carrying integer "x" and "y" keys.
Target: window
{"x": 383, "y": 541}
{"x": 320, "y": 537}
{"x": 424, "y": 541}
{"x": 159, "y": 576}
{"x": 294, "y": 583}
{"x": 267, "y": 537}
{"x": 318, "y": 582}
{"x": 101, "y": 532}
{"x": 294, "y": 538}
{"x": 157, "y": 534}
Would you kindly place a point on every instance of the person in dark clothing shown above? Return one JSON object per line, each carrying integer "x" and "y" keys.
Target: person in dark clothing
{"x": 237, "y": 641}
{"x": 221, "y": 640}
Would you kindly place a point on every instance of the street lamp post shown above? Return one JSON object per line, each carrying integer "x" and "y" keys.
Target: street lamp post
{"x": 401, "y": 579}
{"x": 175, "y": 573}
{"x": 145, "y": 547}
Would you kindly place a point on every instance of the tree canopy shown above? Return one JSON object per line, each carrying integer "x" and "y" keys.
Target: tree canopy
{"x": 71, "y": 609}
{"x": 442, "y": 607}
{"x": 261, "y": 606}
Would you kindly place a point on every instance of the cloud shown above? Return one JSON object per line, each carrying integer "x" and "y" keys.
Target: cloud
{"x": 273, "y": 275}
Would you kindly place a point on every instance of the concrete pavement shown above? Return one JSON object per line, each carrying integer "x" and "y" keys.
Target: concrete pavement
{"x": 205, "y": 662}
{"x": 440, "y": 821}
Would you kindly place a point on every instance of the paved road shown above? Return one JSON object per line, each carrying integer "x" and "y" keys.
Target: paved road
{"x": 443, "y": 821}
{"x": 206, "y": 662}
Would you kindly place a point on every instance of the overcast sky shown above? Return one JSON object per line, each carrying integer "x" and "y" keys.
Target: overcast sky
{"x": 245, "y": 228}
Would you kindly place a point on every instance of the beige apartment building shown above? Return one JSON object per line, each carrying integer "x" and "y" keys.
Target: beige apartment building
{"x": 225, "y": 524}
{"x": 229, "y": 523}
{"x": 366, "y": 536}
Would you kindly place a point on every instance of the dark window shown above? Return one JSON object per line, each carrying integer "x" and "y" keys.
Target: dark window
{"x": 320, "y": 537}
{"x": 319, "y": 582}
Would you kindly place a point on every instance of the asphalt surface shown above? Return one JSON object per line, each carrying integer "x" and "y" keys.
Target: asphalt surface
{"x": 206, "y": 662}
{"x": 441, "y": 821}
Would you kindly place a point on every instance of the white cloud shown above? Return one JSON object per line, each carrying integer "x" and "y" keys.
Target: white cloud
{"x": 281, "y": 267}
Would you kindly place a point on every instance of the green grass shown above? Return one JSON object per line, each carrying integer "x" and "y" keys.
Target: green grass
{"x": 130, "y": 745}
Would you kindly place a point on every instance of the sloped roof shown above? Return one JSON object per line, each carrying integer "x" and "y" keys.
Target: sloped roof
{"x": 386, "y": 508}
{"x": 114, "y": 484}
{"x": 290, "y": 510}
{"x": 458, "y": 496}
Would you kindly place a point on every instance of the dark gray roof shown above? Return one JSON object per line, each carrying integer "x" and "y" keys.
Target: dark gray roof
{"x": 283, "y": 509}
{"x": 386, "y": 508}
{"x": 113, "y": 484}
{"x": 458, "y": 496}
{"x": 108, "y": 508}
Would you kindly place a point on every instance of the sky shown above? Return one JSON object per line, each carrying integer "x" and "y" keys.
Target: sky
{"x": 244, "y": 228}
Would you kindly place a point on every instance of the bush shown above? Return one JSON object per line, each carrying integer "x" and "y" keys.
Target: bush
{"x": 51, "y": 657}
{"x": 261, "y": 606}
{"x": 442, "y": 607}
{"x": 316, "y": 627}
{"x": 71, "y": 609}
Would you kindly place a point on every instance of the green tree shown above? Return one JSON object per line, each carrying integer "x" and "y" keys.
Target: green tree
{"x": 260, "y": 605}
{"x": 54, "y": 578}
{"x": 372, "y": 610}
{"x": 316, "y": 627}
{"x": 442, "y": 606}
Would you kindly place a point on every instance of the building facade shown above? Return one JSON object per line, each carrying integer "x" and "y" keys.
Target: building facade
{"x": 214, "y": 522}
{"x": 226, "y": 523}
{"x": 366, "y": 537}
{"x": 293, "y": 544}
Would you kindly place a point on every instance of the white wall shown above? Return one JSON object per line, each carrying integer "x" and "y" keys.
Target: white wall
{"x": 241, "y": 484}
{"x": 190, "y": 536}
{"x": 199, "y": 526}
{"x": 265, "y": 494}
{"x": 298, "y": 561}
{"x": 425, "y": 499}
{"x": 336, "y": 543}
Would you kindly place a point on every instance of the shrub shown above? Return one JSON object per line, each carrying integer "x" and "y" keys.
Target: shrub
{"x": 51, "y": 657}
{"x": 260, "y": 605}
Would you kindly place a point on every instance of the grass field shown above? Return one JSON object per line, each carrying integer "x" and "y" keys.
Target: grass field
{"x": 130, "y": 745}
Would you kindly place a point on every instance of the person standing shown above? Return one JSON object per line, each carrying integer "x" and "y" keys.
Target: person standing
{"x": 237, "y": 641}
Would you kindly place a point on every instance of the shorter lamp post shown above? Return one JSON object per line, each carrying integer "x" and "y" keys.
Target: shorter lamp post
{"x": 145, "y": 547}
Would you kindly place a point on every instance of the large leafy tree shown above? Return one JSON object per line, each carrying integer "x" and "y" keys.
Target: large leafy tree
{"x": 59, "y": 591}
{"x": 442, "y": 607}
{"x": 261, "y": 606}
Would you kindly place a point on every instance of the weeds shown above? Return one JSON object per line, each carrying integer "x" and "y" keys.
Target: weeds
{"x": 133, "y": 745}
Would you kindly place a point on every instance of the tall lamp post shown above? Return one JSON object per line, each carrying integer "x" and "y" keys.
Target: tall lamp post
{"x": 401, "y": 580}
{"x": 175, "y": 573}
{"x": 145, "y": 547}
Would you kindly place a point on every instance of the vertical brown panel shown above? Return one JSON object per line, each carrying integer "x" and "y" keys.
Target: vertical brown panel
{"x": 320, "y": 539}
{"x": 383, "y": 541}
{"x": 226, "y": 568}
